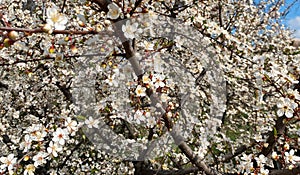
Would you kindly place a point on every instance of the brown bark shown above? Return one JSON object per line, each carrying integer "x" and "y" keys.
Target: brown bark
{"x": 102, "y": 4}
{"x": 279, "y": 129}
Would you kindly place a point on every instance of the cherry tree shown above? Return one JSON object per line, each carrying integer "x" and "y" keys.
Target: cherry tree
{"x": 148, "y": 87}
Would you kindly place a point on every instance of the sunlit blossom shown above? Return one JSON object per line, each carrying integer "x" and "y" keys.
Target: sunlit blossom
{"x": 40, "y": 159}
{"x": 60, "y": 136}
{"x": 291, "y": 158}
{"x": 54, "y": 148}
{"x": 8, "y": 162}
{"x": 113, "y": 11}
{"x": 286, "y": 106}
{"x": 140, "y": 91}
{"x": 130, "y": 30}
{"x": 275, "y": 156}
{"x": 71, "y": 125}
{"x": 35, "y": 64}
{"x": 55, "y": 18}
{"x": 146, "y": 79}
{"x": 29, "y": 169}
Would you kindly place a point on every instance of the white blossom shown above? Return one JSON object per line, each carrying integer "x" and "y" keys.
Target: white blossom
{"x": 139, "y": 117}
{"x": 29, "y": 169}
{"x": 130, "y": 30}
{"x": 60, "y": 136}
{"x": 55, "y": 18}
{"x": 8, "y": 162}
{"x": 92, "y": 123}
{"x": 291, "y": 158}
{"x": 54, "y": 148}
{"x": 40, "y": 159}
{"x": 71, "y": 125}
{"x": 113, "y": 11}
{"x": 286, "y": 106}
{"x": 140, "y": 91}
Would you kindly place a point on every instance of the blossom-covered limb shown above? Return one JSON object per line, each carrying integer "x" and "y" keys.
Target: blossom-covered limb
{"x": 41, "y": 30}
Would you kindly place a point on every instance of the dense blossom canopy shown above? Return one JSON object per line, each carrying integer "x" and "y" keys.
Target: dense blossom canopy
{"x": 73, "y": 71}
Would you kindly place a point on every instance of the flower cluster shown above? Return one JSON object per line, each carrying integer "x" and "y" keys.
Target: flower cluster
{"x": 37, "y": 149}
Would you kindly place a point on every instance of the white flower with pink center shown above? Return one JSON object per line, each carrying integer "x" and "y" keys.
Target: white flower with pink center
{"x": 40, "y": 159}
{"x": 60, "y": 136}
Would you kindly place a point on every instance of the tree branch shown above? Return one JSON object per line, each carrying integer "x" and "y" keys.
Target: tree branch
{"x": 179, "y": 140}
{"x": 65, "y": 90}
{"x": 293, "y": 171}
{"x": 40, "y": 30}
{"x": 102, "y": 4}
{"x": 279, "y": 127}
{"x": 237, "y": 152}
{"x": 137, "y": 3}
{"x": 2, "y": 85}
{"x": 168, "y": 172}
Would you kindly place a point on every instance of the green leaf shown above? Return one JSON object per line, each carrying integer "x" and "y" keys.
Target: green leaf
{"x": 275, "y": 132}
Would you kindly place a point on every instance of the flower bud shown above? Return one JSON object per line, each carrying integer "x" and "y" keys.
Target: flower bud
{"x": 13, "y": 35}
{"x": 47, "y": 28}
{"x": 81, "y": 24}
{"x": 7, "y": 42}
{"x": 74, "y": 49}
{"x": 51, "y": 49}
